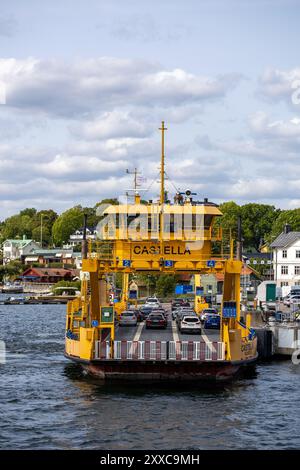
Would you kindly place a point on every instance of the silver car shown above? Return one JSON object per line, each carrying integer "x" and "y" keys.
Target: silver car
{"x": 190, "y": 324}
{"x": 128, "y": 318}
{"x": 182, "y": 312}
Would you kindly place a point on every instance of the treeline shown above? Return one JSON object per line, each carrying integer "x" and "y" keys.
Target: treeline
{"x": 261, "y": 223}
{"x": 54, "y": 229}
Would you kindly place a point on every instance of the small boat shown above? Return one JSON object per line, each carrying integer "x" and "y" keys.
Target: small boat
{"x": 12, "y": 288}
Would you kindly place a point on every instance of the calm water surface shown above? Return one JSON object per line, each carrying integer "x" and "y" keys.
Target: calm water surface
{"x": 47, "y": 403}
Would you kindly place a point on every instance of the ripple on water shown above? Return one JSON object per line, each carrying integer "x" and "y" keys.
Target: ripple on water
{"x": 47, "y": 402}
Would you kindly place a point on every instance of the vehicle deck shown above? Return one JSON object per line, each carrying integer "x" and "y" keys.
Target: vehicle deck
{"x": 171, "y": 333}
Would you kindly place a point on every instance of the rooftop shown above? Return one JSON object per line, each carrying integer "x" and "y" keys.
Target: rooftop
{"x": 19, "y": 241}
{"x": 285, "y": 239}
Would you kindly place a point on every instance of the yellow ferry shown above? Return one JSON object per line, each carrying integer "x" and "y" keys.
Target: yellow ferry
{"x": 168, "y": 238}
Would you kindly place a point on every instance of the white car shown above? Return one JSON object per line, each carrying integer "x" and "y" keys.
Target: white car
{"x": 291, "y": 300}
{"x": 152, "y": 302}
{"x": 190, "y": 324}
{"x": 295, "y": 300}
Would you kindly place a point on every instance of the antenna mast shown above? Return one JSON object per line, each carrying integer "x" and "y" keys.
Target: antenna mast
{"x": 135, "y": 173}
{"x": 162, "y": 166}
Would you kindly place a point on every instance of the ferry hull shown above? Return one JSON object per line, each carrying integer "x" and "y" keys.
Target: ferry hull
{"x": 212, "y": 372}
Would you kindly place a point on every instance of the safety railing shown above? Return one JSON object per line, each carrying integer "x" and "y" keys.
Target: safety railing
{"x": 160, "y": 350}
{"x": 101, "y": 250}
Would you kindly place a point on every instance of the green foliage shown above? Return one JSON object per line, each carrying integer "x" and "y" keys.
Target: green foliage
{"x": 11, "y": 270}
{"x": 257, "y": 222}
{"x": 16, "y": 226}
{"x": 66, "y": 224}
{"x": 230, "y": 211}
{"x": 28, "y": 223}
{"x": 165, "y": 285}
{"x": 147, "y": 279}
{"x": 112, "y": 201}
{"x": 76, "y": 284}
{"x": 291, "y": 217}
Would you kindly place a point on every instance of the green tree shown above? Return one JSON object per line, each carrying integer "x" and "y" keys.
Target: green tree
{"x": 228, "y": 221}
{"x": 165, "y": 285}
{"x": 291, "y": 217}
{"x": 47, "y": 218}
{"x": 28, "y": 223}
{"x": 31, "y": 212}
{"x": 18, "y": 225}
{"x": 66, "y": 224}
{"x": 257, "y": 222}
{"x": 11, "y": 270}
{"x": 76, "y": 284}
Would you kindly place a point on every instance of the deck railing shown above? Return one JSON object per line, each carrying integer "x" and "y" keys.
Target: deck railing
{"x": 160, "y": 350}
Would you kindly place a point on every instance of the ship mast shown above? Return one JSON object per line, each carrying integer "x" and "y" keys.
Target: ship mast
{"x": 137, "y": 198}
{"x": 162, "y": 165}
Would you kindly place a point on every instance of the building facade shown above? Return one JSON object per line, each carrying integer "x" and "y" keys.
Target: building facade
{"x": 77, "y": 237}
{"x": 18, "y": 249}
{"x": 286, "y": 258}
{"x": 48, "y": 275}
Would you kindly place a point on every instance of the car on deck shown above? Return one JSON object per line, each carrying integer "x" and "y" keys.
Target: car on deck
{"x": 145, "y": 310}
{"x": 184, "y": 311}
{"x": 156, "y": 320}
{"x": 212, "y": 320}
{"x": 152, "y": 300}
{"x": 160, "y": 310}
{"x": 128, "y": 318}
{"x": 208, "y": 311}
{"x": 190, "y": 324}
{"x": 179, "y": 303}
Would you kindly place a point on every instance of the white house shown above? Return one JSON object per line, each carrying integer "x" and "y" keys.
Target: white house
{"x": 286, "y": 258}
{"x": 77, "y": 237}
{"x": 18, "y": 248}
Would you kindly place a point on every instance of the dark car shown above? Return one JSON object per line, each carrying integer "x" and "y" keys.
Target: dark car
{"x": 140, "y": 315}
{"x": 146, "y": 310}
{"x": 179, "y": 303}
{"x": 212, "y": 321}
{"x": 160, "y": 311}
{"x": 156, "y": 320}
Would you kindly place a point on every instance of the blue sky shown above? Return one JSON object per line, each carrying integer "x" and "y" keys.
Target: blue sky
{"x": 88, "y": 82}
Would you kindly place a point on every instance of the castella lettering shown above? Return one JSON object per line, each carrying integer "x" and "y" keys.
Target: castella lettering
{"x": 167, "y": 250}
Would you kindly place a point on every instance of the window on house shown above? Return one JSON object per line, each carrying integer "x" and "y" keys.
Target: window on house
{"x": 284, "y": 253}
{"x": 284, "y": 269}
{"x": 284, "y": 283}
{"x": 297, "y": 253}
{"x": 297, "y": 283}
{"x": 297, "y": 270}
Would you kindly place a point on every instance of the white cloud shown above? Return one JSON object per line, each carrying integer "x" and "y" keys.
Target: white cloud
{"x": 112, "y": 124}
{"x": 93, "y": 85}
{"x": 281, "y": 85}
{"x": 262, "y": 125}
